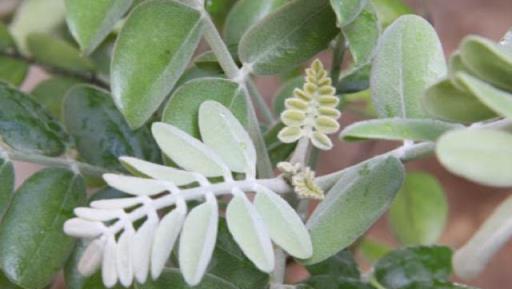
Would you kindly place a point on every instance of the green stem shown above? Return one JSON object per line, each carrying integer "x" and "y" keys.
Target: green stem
{"x": 236, "y": 74}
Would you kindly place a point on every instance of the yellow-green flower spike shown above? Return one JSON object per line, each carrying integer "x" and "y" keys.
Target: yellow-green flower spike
{"x": 302, "y": 178}
{"x": 312, "y": 112}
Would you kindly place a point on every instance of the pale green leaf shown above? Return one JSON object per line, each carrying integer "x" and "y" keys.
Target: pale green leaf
{"x": 166, "y": 235}
{"x": 6, "y": 185}
{"x": 472, "y": 258}
{"x": 91, "y": 21}
{"x": 288, "y": 37}
{"x": 355, "y": 202}
{"x": 420, "y": 210}
{"x": 487, "y": 61}
{"x": 152, "y": 51}
{"x": 188, "y": 152}
{"x": 197, "y": 241}
{"x": 362, "y": 34}
{"x": 354, "y": 79}
{"x": 397, "y": 129}
{"x": 446, "y": 101}
{"x": 408, "y": 60}
{"x": 284, "y": 225}
{"x": 389, "y": 10}
{"x": 483, "y": 156}
{"x": 347, "y": 10}
{"x": 221, "y": 131}
{"x": 36, "y": 16}
{"x": 182, "y": 110}
{"x": 156, "y": 171}
{"x": 250, "y": 232}
{"x": 496, "y": 99}
{"x": 506, "y": 41}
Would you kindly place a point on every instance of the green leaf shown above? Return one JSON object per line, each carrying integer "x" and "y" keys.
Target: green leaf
{"x": 6, "y": 40}
{"x": 33, "y": 246}
{"x": 347, "y": 10}
{"x": 402, "y": 268}
{"x": 6, "y": 284}
{"x": 355, "y": 202}
{"x": 243, "y": 15}
{"x": 219, "y": 9}
{"x": 496, "y": 99}
{"x": 26, "y": 126}
{"x": 171, "y": 278}
{"x": 284, "y": 92}
{"x": 6, "y": 186}
{"x": 230, "y": 263}
{"x": 288, "y": 37}
{"x": 372, "y": 250}
{"x": 91, "y": 22}
{"x": 409, "y": 59}
{"x": 446, "y": 101}
{"x": 50, "y": 93}
{"x": 222, "y": 132}
{"x": 156, "y": 171}
{"x": 197, "y": 241}
{"x": 483, "y": 156}
{"x": 354, "y": 79}
{"x": 28, "y": 19}
{"x": 283, "y": 224}
{"x": 340, "y": 265}
{"x": 362, "y": 34}
{"x": 182, "y": 110}
{"x": 99, "y": 130}
{"x": 436, "y": 285}
{"x": 389, "y": 10}
{"x": 487, "y": 60}
{"x": 55, "y": 52}
{"x": 13, "y": 71}
{"x": 397, "y": 129}
{"x": 420, "y": 210}
{"x": 250, "y": 233}
{"x": 166, "y": 33}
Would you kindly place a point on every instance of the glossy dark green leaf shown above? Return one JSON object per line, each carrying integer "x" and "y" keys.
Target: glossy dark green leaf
{"x": 446, "y": 101}
{"x": 48, "y": 50}
{"x": 402, "y": 268}
{"x": 284, "y": 92}
{"x": 6, "y": 40}
{"x": 487, "y": 60}
{"x": 355, "y": 202}
{"x": 13, "y": 71}
{"x": 243, "y": 15}
{"x": 481, "y": 155}
{"x": 230, "y": 263}
{"x": 171, "y": 278}
{"x": 166, "y": 33}
{"x": 420, "y": 210}
{"x": 100, "y": 131}
{"x": 277, "y": 150}
{"x": 341, "y": 264}
{"x": 90, "y": 22}
{"x": 397, "y": 129}
{"x": 33, "y": 246}
{"x": 389, "y": 10}
{"x": 288, "y": 37}
{"x": 354, "y": 79}
{"x": 496, "y": 99}
{"x": 347, "y": 10}
{"x": 6, "y": 185}
{"x": 183, "y": 108}
{"x": 26, "y": 126}
{"x": 362, "y": 34}
{"x": 50, "y": 93}
{"x": 409, "y": 59}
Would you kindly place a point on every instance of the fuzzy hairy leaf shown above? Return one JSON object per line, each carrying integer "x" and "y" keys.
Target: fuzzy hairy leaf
{"x": 6, "y": 185}
{"x": 408, "y": 60}
{"x": 347, "y": 10}
{"x": 165, "y": 237}
{"x": 166, "y": 33}
{"x": 362, "y": 34}
{"x": 156, "y": 171}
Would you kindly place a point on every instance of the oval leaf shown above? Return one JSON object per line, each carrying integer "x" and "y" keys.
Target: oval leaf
{"x": 288, "y": 37}
{"x": 347, "y": 10}
{"x": 408, "y": 60}
{"x": 483, "y": 156}
{"x": 197, "y": 241}
{"x": 182, "y": 110}
{"x": 166, "y": 235}
{"x": 283, "y": 224}
{"x": 159, "y": 172}
{"x": 50, "y": 93}
{"x": 221, "y": 131}
{"x": 362, "y": 34}
{"x": 135, "y": 185}
{"x": 250, "y": 233}
{"x": 188, "y": 152}
{"x": 355, "y": 202}
{"x": 90, "y": 22}
{"x": 26, "y": 126}
{"x": 166, "y": 33}
{"x": 100, "y": 132}
{"x": 13, "y": 71}
{"x": 420, "y": 210}
{"x": 446, "y": 101}
{"x": 32, "y": 254}
{"x": 397, "y": 129}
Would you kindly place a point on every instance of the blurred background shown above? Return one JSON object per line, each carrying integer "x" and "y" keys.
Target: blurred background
{"x": 469, "y": 203}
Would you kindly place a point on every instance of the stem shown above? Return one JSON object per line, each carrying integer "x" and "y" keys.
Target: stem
{"x": 240, "y": 76}
{"x": 277, "y": 276}
{"x": 84, "y": 76}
